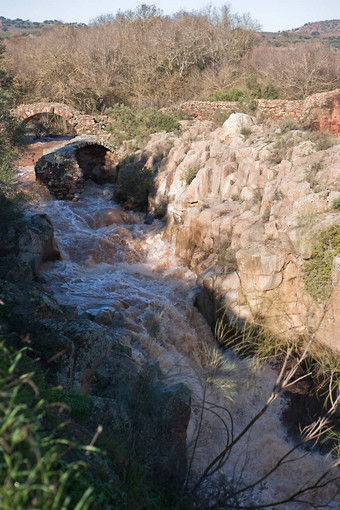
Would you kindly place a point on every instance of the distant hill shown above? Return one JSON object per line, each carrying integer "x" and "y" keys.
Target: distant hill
{"x": 327, "y": 32}
{"x": 10, "y": 27}
{"x": 331, "y": 26}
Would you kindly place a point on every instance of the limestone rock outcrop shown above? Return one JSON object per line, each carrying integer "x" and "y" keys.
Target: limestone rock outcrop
{"x": 245, "y": 205}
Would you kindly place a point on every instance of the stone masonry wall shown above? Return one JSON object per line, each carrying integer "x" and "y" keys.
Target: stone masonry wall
{"x": 321, "y": 111}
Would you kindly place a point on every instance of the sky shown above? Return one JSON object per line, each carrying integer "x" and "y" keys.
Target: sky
{"x": 272, "y": 15}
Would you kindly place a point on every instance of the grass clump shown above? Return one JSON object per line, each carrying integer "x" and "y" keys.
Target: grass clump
{"x": 318, "y": 269}
{"x": 34, "y": 472}
{"x": 191, "y": 174}
{"x": 288, "y": 124}
{"x": 282, "y": 149}
{"x": 246, "y": 132}
{"x": 220, "y": 117}
{"x": 41, "y": 468}
{"x": 311, "y": 175}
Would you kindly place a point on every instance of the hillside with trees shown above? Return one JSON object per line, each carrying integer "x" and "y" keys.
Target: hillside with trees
{"x": 331, "y": 26}
{"x": 20, "y": 27}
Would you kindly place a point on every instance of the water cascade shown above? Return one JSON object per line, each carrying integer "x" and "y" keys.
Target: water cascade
{"x": 120, "y": 272}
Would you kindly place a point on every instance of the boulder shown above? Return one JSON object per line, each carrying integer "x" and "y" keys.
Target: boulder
{"x": 30, "y": 239}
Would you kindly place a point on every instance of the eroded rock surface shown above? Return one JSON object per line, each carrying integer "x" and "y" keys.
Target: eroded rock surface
{"x": 245, "y": 205}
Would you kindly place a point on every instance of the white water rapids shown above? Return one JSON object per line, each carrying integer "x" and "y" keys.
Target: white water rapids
{"x": 112, "y": 260}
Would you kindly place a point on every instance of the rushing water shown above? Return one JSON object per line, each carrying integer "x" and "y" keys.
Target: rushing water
{"x": 113, "y": 261}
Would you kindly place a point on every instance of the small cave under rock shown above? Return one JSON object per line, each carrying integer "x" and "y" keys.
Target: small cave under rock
{"x": 97, "y": 163}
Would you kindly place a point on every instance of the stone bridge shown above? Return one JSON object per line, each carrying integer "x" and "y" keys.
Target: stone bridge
{"x": 82, "y": 124}
{"x": 66, "y": 167}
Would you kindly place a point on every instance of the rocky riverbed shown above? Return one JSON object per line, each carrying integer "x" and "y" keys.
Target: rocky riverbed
{"x": 107, "y": 303}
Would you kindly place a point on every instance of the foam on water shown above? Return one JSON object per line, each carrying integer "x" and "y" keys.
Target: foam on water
{"x": 128, "y": 265}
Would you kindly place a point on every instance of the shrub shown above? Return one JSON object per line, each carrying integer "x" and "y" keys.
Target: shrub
{"x": 336, "y": 203}
{"x": 191, "y": 174}
{"x": 232, "y": 94}
{"x": 134, "y": 185}
{"x": 311, "y": 175}
{"x": 318, "y": 269}
{"x": 288, "y": 124}
{"x": 246, "y": 132}
{"x": 322, "y": 140}
{"x": 151, "y": 120}
{"x": 282, "y": 149}
{"x": 220, "y": 117}
{"x": 127, "y": 123}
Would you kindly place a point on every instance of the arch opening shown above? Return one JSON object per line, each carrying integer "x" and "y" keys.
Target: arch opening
{"x": 47, "y": 125}
{"x": 97, "y": 163}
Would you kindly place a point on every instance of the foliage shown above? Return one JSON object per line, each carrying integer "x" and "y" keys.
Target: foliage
{"x": 134, "y": 185}
{"x": 282, "y": 148}
{"x": 191, "y": 174}
{"x": 9, "y": 136}
{"x": 258, "y": 90}
{"x": 141, "y": 58}
{"x": 293, "y": 355}
{"x": 311, "y": 175}
{"x": 246, "y": 132}
{"x": 336, "y": 203}
{"x": 223, "y": 371}
{"x": 47, "y": 124}
{"x": 232, "y": 94}
{"x": 323, "y": 364}
{"x": 318, "y": 269}
{"x": 130, "y": 124}
{"x": 220, "y": 117}
{"x": 251, "y": 339}
{"x": 295, "y": 72}
{"x": 78, "y": 405}
{"x": 322, "y": 140}
{"x": 286, "y": 124}
{"x": 254, "y": 90}
{"x": 34, "y": 472}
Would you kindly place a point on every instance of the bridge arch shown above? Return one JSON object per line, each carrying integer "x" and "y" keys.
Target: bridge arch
{"x": 81, "y": 123}
{"x": 65, "y": 169}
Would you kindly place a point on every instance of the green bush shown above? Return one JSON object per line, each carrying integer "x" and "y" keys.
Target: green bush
{"x": 257, "y": 90}
{"x": 246, "y": 132}
{"x": 10, "y": 137}
{"x": 336, "y": 203}
{"x": 42, "y": 469}
{"x": 134, "y": 185}
{"x": 127, "y": 123}
{"x": 232, "y": 94}
{"x": 318, "y": 269}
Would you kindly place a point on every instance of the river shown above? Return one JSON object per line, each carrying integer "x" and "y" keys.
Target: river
{"x": 115, "y": 266}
